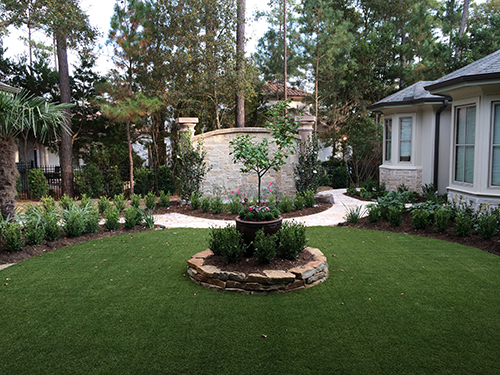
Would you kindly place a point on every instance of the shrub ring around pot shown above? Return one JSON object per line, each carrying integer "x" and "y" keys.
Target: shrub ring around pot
{"x": 249, "y": 228}
{"x": 297, "y": 277}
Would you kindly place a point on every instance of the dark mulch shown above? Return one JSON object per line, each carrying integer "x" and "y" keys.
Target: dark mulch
{"x": 251, "y": 265}
{"x": 406, "y": 227}
{"x": 175, "y": 206}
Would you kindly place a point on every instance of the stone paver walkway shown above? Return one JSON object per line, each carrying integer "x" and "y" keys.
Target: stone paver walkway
{"x": 330, "y": 217}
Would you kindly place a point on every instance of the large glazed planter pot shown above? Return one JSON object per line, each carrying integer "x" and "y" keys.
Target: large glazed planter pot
{"x": 250, "y": 228}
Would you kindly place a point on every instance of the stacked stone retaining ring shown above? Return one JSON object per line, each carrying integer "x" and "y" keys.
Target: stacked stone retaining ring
{"x": 269, "y": 281}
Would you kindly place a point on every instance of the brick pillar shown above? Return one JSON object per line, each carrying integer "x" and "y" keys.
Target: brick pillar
{"x": 306, "y": 126}
{"x": 186, "y": 124}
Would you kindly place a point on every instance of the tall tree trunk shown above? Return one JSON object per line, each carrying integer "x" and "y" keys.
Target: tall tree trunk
{"x": 8, "y": 174}
{"x": 463, "y": 25}
{"x": 130, "y": 159}
{"x": 285, "y": 70}
{"x": 66, "y": 150}
{"x": 316, "y": 88}
{"x": 240, "y": 55}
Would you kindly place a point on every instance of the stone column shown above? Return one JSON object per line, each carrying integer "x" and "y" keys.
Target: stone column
{"x": 306, "y": 126}
{"x": 186, "y": 124}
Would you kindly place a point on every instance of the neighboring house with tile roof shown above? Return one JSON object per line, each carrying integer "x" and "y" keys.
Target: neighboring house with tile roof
{"x": 446, "y": 132}
{"x": 274, "y": 92}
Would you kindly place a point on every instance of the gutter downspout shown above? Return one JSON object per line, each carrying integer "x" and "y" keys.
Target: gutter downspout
{"x": 436, "y": 142}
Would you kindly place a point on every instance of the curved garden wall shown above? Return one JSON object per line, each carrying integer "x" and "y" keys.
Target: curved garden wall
{"x": 227, "y": 174}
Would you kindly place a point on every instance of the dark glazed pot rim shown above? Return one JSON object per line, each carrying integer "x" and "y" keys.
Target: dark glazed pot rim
{"x": 253, "y": 222}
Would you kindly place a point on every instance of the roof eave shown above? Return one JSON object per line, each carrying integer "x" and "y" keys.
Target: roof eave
{"x": 405, "y": 103}
{"x": 464, "y": 80}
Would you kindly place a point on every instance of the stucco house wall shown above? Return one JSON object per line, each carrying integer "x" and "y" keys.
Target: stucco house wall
{"x": 469, "y": 150}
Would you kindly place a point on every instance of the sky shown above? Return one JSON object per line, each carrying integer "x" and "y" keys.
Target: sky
{"x": 100, "y": 12}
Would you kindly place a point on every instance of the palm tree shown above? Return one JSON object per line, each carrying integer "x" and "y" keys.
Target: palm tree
{"x": 20, "y": 112}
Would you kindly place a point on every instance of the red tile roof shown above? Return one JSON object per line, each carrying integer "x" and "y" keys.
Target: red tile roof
{"x": 273, "y": 88}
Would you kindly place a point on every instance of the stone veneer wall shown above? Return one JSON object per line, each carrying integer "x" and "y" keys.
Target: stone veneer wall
{"x": 476, "y": 200}
{"x": 411, "y": 178}
{"x": 272, "y": 281}
{"x": 227, "y": 175}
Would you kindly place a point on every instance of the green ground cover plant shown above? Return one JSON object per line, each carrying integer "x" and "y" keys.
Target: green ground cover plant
{"x": 393, "y": 304}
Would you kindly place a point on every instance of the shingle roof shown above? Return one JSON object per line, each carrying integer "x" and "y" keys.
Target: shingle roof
{"x": 486, "y": 68}
{"x": 273, "y": 88}
{"x": 413, "y": 94}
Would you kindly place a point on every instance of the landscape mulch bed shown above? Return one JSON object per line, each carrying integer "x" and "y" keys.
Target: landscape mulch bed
{"x": 251, "y": 265}
{"x": 46, "y": 246}
{"x": 175, "y": 206}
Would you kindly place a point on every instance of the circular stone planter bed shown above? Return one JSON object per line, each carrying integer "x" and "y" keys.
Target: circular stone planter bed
{"x": 267, "y": 281}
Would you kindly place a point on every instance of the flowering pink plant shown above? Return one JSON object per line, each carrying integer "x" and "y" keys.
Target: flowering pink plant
{"x": 259, "y": 213}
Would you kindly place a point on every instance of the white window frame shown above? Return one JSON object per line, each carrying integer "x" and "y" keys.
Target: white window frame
{"x": 388, "y": 140}
{"x": 410, "y": 140}
{"x": 466, "y": 146}
{"x": 493, "y": 145}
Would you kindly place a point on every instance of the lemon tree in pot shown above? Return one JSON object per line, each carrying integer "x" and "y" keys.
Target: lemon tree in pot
{"x": 259, "y": 158}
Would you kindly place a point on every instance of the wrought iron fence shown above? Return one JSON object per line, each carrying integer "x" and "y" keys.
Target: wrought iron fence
{"x": 51, "y": 172}
{"x": 110, "y": 180}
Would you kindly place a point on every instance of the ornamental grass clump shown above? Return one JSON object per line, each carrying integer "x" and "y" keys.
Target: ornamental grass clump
{"x": 74, "y": 220}
{"x": 353, "y": 214}
{"x": 34, "y": 228}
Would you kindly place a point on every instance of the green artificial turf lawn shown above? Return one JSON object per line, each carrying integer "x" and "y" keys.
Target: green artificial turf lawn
{"x": 393, "y": 304}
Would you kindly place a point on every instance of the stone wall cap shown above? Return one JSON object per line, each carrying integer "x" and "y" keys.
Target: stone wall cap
{"x": 305, "y": 118}
{"x": 191, "y": 120}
